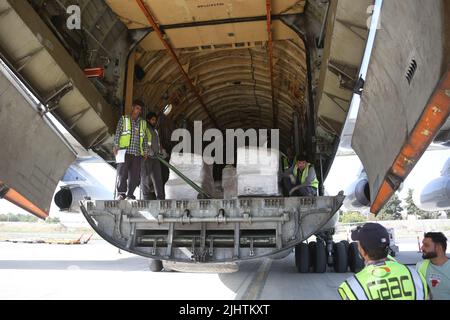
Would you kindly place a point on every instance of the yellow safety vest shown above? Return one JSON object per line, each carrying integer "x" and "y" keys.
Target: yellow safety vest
{"x": 386, "y": 281}
{"x": 314, "y": 183}
{"x": 423, "y": 267}
{"x": 125, "y": 136}
{"x": 149, "y": 136}
{"x": 286, "y": 162}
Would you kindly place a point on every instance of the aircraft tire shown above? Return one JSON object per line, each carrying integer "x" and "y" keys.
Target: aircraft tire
{"x": 346, "y": 244}
{"x": 302, "y": 257}
{"x": 312, "y": 253}
{"x": 320, "y": 258}
{"x": 340, "y": 258}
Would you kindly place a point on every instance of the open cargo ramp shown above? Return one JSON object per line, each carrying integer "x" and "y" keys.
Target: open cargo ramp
{"x": 213, "y": 230}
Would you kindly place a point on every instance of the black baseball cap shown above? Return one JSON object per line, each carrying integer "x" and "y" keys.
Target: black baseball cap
{"x": 371, "y": 236}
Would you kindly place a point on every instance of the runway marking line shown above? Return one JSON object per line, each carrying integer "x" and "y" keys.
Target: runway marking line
{"x": 254, "y": 289}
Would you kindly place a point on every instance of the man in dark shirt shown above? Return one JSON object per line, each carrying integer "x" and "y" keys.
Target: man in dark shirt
{"x": 130, "y": 135}
{"x": 151, "y": 167}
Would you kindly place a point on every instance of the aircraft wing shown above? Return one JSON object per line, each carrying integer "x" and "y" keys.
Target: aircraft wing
{"x": 406, "y": 96}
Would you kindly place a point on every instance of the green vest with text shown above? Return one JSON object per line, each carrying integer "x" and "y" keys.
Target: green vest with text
{"x": 125, "y": 136}
{"x": 385, "y": 281}
{"x": 314, "y": 183}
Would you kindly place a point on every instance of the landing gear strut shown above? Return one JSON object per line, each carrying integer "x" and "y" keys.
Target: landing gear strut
{"x": 328, "y": 237}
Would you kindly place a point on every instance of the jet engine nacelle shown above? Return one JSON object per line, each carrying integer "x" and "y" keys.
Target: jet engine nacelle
{"x": 68, "y": 197}
{"x": 435, "y": 196}
{"x": 357, "y": 195}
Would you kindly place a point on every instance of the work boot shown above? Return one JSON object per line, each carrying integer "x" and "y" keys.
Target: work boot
{"x": 121, "y": 196}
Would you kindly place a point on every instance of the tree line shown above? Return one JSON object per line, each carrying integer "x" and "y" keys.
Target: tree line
{"x": 11, "y": 217}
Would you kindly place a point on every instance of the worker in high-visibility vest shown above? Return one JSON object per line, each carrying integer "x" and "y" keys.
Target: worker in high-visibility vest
{"x": 288, "y": 160}
{"x": 436, "y": 266}
{"x": 303, "y": 179}
{"x": 151, "y": 167}
{"x": 382, "y": 278}
{"x": 130, "y": 136}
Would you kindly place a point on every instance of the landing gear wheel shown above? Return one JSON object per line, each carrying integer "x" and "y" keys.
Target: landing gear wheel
{"x": 340, "y": 258}
{"x": 155, "y": 265}
{"x": 355, "y": 261}
{"x": 346, "y": 244}
{"x": 302, "y": 258}
{"x": 320, "y": 258}
{"x": 312, "y": 253}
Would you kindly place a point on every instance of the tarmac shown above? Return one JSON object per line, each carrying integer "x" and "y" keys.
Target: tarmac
{"x": 98, "y": 270}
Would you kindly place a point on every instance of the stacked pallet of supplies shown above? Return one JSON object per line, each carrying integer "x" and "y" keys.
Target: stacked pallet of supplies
{"x": 229, "y": 182}
{"x": 257, "y": 171}
{"x": 193, "y": 167}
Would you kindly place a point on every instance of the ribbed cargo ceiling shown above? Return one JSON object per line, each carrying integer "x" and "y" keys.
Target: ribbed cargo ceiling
{"x": 235, "y": 84}
{"x": 227, "y": 62}
{"x": 185, "y": 11}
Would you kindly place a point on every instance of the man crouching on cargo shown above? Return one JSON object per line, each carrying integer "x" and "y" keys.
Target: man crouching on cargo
{"x": 130, "y": 135}
{"x": 303, "y": 179}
